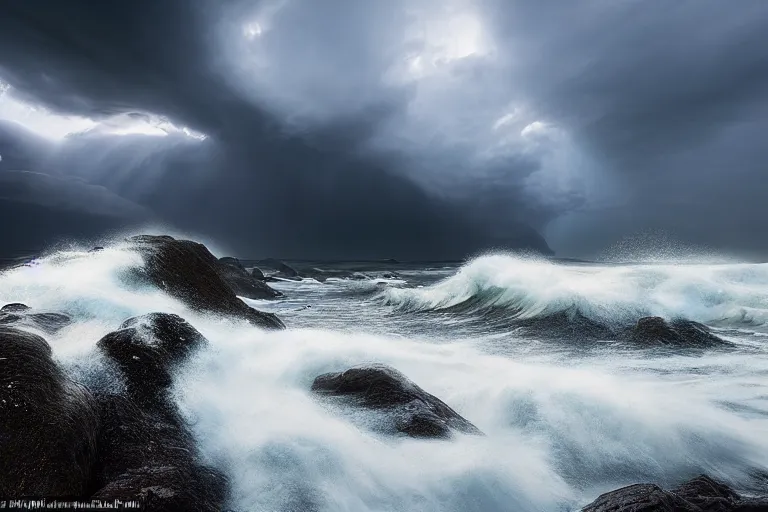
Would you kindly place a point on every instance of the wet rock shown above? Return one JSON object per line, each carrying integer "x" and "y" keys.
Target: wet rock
{"x": 189, "y": 272}
{"x": 701, "y": 494}
{"x": 256, "y": 273}
{"x": 22, "y": 316}
{"x": 410, "y": 409}
{"x": 98, "y": 248}
{"x": 48, "y": 424}
{"x": 15, "y": 307}
{"x": 707, "y": 494}
{"x": 284, "y": 271}
{"x": 679, "y": 332}
{"x": 147, "y": 349}
{"x": 146, "y": 450}
{"x": 150, "y": 455}
{"x": 244, "y": 283}
{"x": 640, "y": 498}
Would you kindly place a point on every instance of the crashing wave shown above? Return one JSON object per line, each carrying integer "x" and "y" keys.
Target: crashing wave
{"x": 527, "y": 288}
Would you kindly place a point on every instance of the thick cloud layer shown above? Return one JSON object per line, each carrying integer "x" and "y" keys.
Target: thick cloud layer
{"x": 413, "y": 129}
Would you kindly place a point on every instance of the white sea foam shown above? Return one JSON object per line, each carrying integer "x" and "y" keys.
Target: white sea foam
{"x": 559, "y": 432}
{"x": 532, "y": 287}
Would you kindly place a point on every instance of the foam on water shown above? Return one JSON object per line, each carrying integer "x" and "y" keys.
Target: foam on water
{"x": 609, "y": 294}
{"x": 559, "y": 431}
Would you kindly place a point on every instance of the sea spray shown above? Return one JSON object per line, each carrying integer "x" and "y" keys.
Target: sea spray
{"x": 559, "y": 430}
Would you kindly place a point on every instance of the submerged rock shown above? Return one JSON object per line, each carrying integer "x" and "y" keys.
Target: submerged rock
{"x": 21, "y": 316}
{"x": 656, "y": 330}
{"x": 189, "y": 272}
{"x": 242, "y": 282}
{"x": 702, "y": 494}
{"x": 412, "y": 410}
{"x": 48, "y": 424}
{"x": 146, "y": 450}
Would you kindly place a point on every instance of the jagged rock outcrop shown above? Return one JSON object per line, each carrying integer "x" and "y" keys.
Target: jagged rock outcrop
{"x": 48, "y": 424}
{"x": 701, "y": 494}
{"x": 408, "y": 408}
{"x": 244, "y": 283}
{"x": 188, "y": 271}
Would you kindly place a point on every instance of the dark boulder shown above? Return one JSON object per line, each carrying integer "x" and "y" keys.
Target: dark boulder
{"x": 640, "y": 498}
{"x": 48, "y": 424}
{"x": 707, "y": 494}
{"x": 244, "y": 283}
{"x": 147, "y": 349}
{"x": 15, "y": 307}
{"x": 189, "y": 272}
{"x": 150, "y": 455}
{"x": 284, "y": 271}
{"x": 410, "y": 409}
{"x": 256, "y": 273}
{"x": 146, "y": 450}
{"x": 685, "y": 333}
{"x": 701, "y": 494}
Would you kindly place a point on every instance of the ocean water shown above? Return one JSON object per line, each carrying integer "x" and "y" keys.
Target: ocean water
{"x": 565, "y": 418}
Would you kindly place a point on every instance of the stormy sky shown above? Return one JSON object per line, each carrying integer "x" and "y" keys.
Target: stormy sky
{"x": 425, "y": 129}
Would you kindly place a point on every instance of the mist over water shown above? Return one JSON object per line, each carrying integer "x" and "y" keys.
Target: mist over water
{"x": 561, "y": 426}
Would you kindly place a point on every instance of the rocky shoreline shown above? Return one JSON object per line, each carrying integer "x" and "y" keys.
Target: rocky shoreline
{"x": 58, "y": 438}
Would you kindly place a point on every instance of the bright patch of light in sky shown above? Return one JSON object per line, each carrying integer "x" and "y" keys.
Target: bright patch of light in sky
{"x": 444, "y": 40}
{"x": 252, "y": 30}
{"x": 38, "y": 119}
{"x": 534, "y": 129}
{"x": 506, "y": 119}
{"x": 57, "y": 127}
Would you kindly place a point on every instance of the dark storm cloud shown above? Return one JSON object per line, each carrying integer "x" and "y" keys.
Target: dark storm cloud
{"x": 671, "y": 98}
{"x": 411, "y": 128}
{"x": 251, "y": 183}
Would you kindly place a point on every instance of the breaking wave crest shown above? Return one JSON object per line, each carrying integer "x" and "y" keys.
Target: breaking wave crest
{"x": 528, "y": 288}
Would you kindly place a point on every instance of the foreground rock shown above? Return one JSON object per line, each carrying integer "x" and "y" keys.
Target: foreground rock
{"x": 702, "y": 494}
{"x": 409, "y": 409}
{"x": 147, "y": 349}
{"x": 150, "y": 455}
{"x": 146, "y": 451}
{"x": 244, "y": 283}
{"x": 22, "y": 316}
{"x": 189, "y": 272}
{"x": 48, "y": 424}
{"x": 684, "y": 333}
